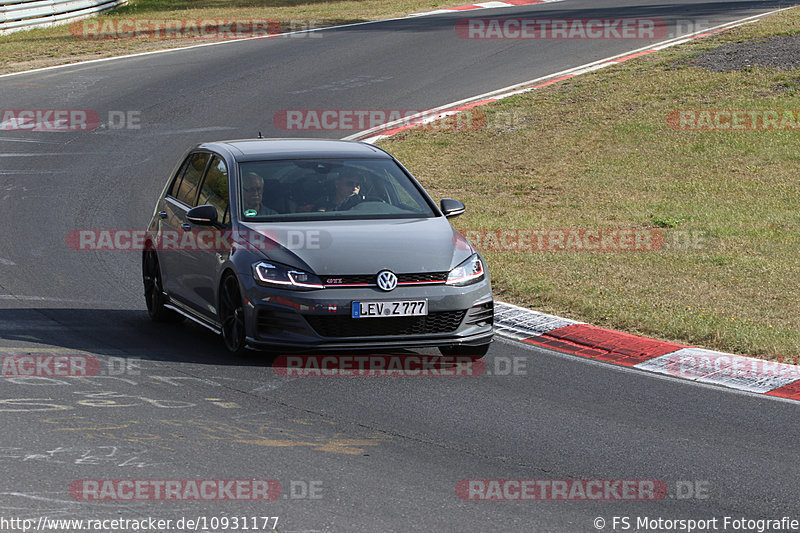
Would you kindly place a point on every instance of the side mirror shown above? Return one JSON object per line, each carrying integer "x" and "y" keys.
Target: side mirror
{"x": 203, "y": 215}
{"x": 451, "y": 208}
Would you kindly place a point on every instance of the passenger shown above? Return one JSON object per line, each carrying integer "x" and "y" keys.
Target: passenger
{"x": 252, "y": 193}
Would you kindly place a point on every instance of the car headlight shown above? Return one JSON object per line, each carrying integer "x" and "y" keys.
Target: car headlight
{"x": 277, "y": 275}
{"x": 468, "y": 272}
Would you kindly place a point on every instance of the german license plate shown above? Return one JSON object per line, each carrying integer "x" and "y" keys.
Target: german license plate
{"x": 385, "y": 308}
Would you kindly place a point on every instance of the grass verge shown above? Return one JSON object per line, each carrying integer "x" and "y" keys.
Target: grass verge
{"x": 55, "y": 46}
{"x": 597, "y": 152}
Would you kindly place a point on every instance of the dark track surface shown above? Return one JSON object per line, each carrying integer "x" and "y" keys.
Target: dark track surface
{"x": 387, "y": 452}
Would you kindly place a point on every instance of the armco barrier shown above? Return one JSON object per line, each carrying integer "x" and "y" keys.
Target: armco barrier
{"x": 18, "y": 15}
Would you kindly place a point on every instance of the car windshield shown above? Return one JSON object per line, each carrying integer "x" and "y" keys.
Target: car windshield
{"x": 314, "y": 189}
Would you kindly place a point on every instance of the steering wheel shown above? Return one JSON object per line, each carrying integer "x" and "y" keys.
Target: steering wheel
{"x": 350, "y": 202}
{"x": 355, "y": 199}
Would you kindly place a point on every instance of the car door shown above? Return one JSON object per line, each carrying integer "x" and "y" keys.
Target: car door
{"x": 181, "y": 197}
{"x": 203, "y": 263}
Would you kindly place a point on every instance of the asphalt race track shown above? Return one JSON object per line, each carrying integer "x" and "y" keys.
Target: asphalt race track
{"x": 351, "y": 454}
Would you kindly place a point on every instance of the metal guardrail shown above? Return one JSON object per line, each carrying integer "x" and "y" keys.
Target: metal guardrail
{"x": 18, "y": 15}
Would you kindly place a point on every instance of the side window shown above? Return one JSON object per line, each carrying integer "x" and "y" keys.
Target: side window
{"x": 187, "y": 191}
{"x": 176, "y": 183}
{"x": 215, "y": 188}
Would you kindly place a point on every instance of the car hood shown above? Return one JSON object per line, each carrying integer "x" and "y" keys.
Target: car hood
{"x": 345, "y": 247}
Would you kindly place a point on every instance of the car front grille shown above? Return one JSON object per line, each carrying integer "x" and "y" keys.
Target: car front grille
{"x": 345, "y": 326}
{"x": 331, "y": 281}
{"x": 418, "y": 278}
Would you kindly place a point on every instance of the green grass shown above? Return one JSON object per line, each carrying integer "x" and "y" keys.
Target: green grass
{"x": 596, "y": 152}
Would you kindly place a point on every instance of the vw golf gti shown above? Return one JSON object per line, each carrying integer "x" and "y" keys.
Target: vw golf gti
{"x": 281, "y": 244}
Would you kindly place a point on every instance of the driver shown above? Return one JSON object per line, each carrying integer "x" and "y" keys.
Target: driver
{"x": 346, "y": 194}
{"x": 345, "y": 188}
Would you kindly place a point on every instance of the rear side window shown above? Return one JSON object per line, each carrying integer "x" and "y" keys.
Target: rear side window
{"x": 186, "y": 191}
{"x": 176, "y": 183}
{"x": 215, "y": 188}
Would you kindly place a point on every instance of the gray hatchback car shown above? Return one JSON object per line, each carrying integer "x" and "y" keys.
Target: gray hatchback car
{"x": 282, "y": 244}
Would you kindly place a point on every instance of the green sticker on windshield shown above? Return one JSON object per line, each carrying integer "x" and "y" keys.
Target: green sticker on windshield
{"x": 250, "y": 213}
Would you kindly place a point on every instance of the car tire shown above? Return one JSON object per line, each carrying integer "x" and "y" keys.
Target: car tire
{"x": 154, "y": 290}
{"x": 463, "y": 350}
{"x": 231, "y": 315}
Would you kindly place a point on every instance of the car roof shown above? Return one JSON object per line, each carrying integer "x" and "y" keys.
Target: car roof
{"x": 266, "y": 149}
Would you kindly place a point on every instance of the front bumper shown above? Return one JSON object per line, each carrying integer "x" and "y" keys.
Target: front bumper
{"x": 322, "y": 319}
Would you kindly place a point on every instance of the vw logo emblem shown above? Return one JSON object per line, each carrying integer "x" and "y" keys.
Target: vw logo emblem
{"x": 387, "y": 281}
